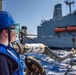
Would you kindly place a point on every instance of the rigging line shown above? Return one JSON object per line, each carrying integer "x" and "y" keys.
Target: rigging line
{"x": 36, "y": 40}
{"x": 38, "y": 35}
{"x": 47, "y": 36}
{"x": 32, "y": 39}
{"x": 69, "y": 67}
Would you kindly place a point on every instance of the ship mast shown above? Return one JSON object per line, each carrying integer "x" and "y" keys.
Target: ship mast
{"x": 69, "y": 3}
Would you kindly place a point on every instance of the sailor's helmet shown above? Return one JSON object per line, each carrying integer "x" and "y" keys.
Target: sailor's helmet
{"x": 6, "y": 20}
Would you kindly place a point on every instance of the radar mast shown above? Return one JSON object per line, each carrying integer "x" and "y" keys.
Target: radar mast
{"x": 69, "y": 3}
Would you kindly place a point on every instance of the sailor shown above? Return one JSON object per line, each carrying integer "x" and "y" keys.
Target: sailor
{"x": 9, "y": 59}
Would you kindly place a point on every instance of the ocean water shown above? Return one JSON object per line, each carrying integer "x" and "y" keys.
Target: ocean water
{"x": 53, "y": 67}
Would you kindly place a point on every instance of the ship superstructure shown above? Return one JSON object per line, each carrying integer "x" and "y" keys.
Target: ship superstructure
{"x": 60, "y": 31}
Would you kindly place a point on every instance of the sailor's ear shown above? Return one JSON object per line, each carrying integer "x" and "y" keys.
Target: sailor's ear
{"x": 5, "y": 32}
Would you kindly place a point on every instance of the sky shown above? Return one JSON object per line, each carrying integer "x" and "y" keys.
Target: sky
{"x": 30, "y": 13}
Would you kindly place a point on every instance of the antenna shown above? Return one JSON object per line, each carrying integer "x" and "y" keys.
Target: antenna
{"x": 69, "y": 3}
{"x": 42, "y": 18}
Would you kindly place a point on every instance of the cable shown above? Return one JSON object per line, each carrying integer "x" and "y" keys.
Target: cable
{"x": 70, "y": 66}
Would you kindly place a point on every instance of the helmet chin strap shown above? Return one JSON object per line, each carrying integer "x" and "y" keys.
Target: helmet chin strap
{"x": 9, "y": 37}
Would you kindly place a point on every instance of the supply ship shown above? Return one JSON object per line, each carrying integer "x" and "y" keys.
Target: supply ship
{"x": 58, "y": 32}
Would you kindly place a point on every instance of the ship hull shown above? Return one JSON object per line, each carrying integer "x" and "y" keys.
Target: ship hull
{"x": 56, "y": 42}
